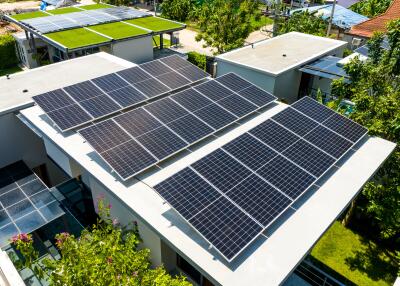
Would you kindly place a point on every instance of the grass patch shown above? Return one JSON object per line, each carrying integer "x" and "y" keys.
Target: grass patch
{"x": 118, "y": 30}
{"x": 356, "y": 258}
{"x": 263, "y": 21}
{"x": 29, "y": 15}
{"x": 155, "y": 24}
{"x": 156, "y": 42}
{"x": 64, "y": 10}
{"x": 77, "y": 38}
{"x": 10, "y": 70}
{"x": 95, "y": 6}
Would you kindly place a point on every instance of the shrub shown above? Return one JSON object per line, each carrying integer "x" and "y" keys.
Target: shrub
{"x": 8, "y": 56}
{"x": 197, "y": 59}
{"x": 178, "y": 10}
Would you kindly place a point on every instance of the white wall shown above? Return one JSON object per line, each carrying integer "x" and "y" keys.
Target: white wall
{"x": 287, "y": 85}
{"x": 137, "y": 50}
{"x": 322, "y": 83}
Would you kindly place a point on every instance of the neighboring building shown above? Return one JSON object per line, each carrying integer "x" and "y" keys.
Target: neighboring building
{"x": 274, "y": 64}
{"x": 367, "y": 29}
{"x": 272, "y": 256}
{"x": 64, "y": 33}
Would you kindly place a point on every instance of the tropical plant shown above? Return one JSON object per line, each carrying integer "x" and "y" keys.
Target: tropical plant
{"x": 178, "y": 10}
{"x": 304, "y": 22}
{"x": 107, "y": 254}
{"x": 197, "y": 59}
{"x": 8, "y": 55}
{"x": 371, "y": 8}
{"x": 225, "y": 24}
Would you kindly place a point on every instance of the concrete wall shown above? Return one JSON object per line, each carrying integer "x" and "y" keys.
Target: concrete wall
{"x": 24, "y": 49}
{"x": 322, "y": 83}
{"x": 137, "y": 50}
{"x": 287, "y": 85}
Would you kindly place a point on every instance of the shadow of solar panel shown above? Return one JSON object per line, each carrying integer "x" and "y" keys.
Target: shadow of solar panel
{"x": 134, "y": 75}
{"x": 312, "y": 109}
{"x": 110, "y": 82}
{"x": 193, "y": 73}
{"x": 166, "y": 110}
{"x": 286, "y": 176}
{"x": 190, "y": 128}
{"x": 100, "y": 106}
{"x": 295, "y": 121}
{"x": 83, "y": 91}
{"x": 226, "y": 227}
{"x": 191, "y": 99}
{"x": 250, "y": 151}
{"x": 213, "y": 90}
{"x": 137, "y": 122}
{"x": 53, "y": 100}
{"x": 259, "y": 199}
{"x": 257, "y": 96}
{"x": 237, "y": 105}
{"x": 33, "y": 187}
{"x": 173, "y": 80}
{"x": 42, "y": 198}
{"x": 69, "y": 117}
{"x": 30, "y": 222}
{"x": 345, "y": 127}
{"x": 128, "y": 158}
{"x": 328, "y": 141}
{"x": 155, "y": 68}
{"x": 175, "y": 62}
{"x": 274, "y": 135}
{"x": 233, "y": 81}
{"x": 151, "y": 87}
{"x": 104, "y": 135}
{"x": 187, "y": 192}
{"x": 221, "y": 170}
{"x": 215, "y": 116}
{"x": 127, "y": 96}
{"x": 309, "y": 157}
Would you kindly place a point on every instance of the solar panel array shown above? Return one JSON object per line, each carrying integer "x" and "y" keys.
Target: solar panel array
{"x": 78, "y": 104}
{"x": 234, "y": 193}
{"x": 81, "y": 19}
{"x": 25, "y": 202}
{"x": 139, "y": 139}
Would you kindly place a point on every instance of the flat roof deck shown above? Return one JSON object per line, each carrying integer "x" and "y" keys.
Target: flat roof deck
{"x": 277, "y": 55}
{"x": 272, "y": 257}
{"x": 46, "y": 78}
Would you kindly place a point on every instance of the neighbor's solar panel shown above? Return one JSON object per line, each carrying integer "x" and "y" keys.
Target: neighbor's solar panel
{"x": 254, "y": 178}
{"x": 123, "y": 13}
{"x": 26, "y": 203}
{"x": 167, "y": 126}
{"x": 78, "y": 104}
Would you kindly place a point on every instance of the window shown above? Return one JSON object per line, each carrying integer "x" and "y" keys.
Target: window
{"x": 188, "y": 269}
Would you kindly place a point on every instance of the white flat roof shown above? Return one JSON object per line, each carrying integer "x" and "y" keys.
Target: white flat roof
{"x": 268, "y": 261}
{"x": 279, "y": 54}
{"x": 50, "y": 77}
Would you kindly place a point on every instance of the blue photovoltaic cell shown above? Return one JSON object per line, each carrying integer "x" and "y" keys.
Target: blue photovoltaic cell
{"x": 191, "y": 99}
{"x": 137, "y": 122}
{"x": 134, "y": 75}
{"x": 161, "y": 142}
{"x": 155, "y": 68}
{"x": 226, "y": 227}
{"x": 250, "y": 151}
{"x": 274, "y": 135}
{"x": 259, "y": 199}
{"x": 257, "y": 96}
{"x": 53, "y": 100}
{"x": 313, "y": 109}
{"x": 70, "y": 116}
{"x": 83, "y": 91}
{"x": 345, "y": 127}
{"x": 295, "y": 121}
{"x": 193, "y": 73}
{"x": 215, "y": 116}
{"x": 187, "y": 192}
{"x": 151, "y": 87}
{"x": 127, "y": 96}
{"x": 233, "y": 81}
{"x": 100, "y": 106}
{"x": 166, "y": 110}
{"x": 221, "y": 170}
{"x": 237, "y": 105}
{"x": 329, "y": 141}
{"x": 173, "y": 80}
{"x": 213, "y": 90}
{"x": 309, "y": 157}
{"x": 190, "y": 128}
{"x": 286, "y": 176}
{"x": 110, "y": 82}
{"x": 175, "y": 62}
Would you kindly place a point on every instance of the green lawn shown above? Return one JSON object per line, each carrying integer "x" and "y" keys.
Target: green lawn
{"x": 95, "y": 6}
{"x": 357, "y": 259}
{"x": 76, "y": 38}
{"x": 10, "y": 70}
{"x": 29, "y": 15}
{"x": 155, "y": 24}
{"x": 64, "y": 10}
{"x": 118, "y": 30}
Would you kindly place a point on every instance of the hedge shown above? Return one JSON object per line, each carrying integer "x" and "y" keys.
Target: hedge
{"x": 8, "y": 56}
{"x": 197, "y": 59}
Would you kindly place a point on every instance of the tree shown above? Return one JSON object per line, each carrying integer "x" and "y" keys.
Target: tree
{"x": 115, "y": 2}
{"x": 225, "y": 24}
{"x": 178, "y": 10}
{"x": 371, "y": 8}
{"x": 105, "y": 255}
{"x": 375, "y": 90}
{"x": 304, "y": 22}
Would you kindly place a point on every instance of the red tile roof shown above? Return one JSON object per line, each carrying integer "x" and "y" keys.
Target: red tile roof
{"x": 377, "y": 24}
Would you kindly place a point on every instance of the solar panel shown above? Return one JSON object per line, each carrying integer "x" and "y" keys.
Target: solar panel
{"x": 127, "y": 96}
{"x": 123, "y": 13}
{"x": 151, "y": 87}
{"x": 25, "y": 202}
{"x": 175, "y": 62}
{"x": 190, "y": 128}
{"x": 166, "y": 110}
{"x": 110, "y": 82}
{"x": 173, "y": 80}
{"x": 213, "y": 90}
{"x": 156, "y": 68}
{"x": 69, "y": 117}
{"x": 53, "y": 100}
{"x": 191, "y": 99}
{"x": 136, "y": 122}
{"x": 257, "y": 96}
{"x": 345, "y": 127}
{"x": 215, "y": 116}
{"x": 193, "y": 73}
{"x": 295, "y": 121}
{"x": 313, "y": 109}
{"x": 233, "y": 81}
{"x": 100, "y": 106}
{"x": 83, "y": 91}
{"x": 237, "y": 105}
{"x": 134, "y": 75}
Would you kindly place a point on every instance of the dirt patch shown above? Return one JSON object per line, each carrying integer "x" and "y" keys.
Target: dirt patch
{"x": 6, "y": 27}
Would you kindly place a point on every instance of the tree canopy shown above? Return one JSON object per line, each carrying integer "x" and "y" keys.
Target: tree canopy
{"x": 178, "y": 10}
{"x": 371, "y": 8}
{"x": 225, "y": 24}
{"x": 304, "y": 22}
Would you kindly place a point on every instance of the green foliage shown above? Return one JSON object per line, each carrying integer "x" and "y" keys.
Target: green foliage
{"x": 197, "y": 59}
{"x": 371, "y": 8}
{"x": 304, "y": 22}
{"x": 106, "y": 255}
{"x": 178, "y": 10}
{"x": 115, "y": 2}
{"x": 375, "y": 90}
{"x": 225, "y": 24}
{"x": 8, "y": 56}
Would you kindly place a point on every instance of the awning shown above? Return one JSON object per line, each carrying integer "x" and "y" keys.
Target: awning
{"x": 327, "y": 68}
